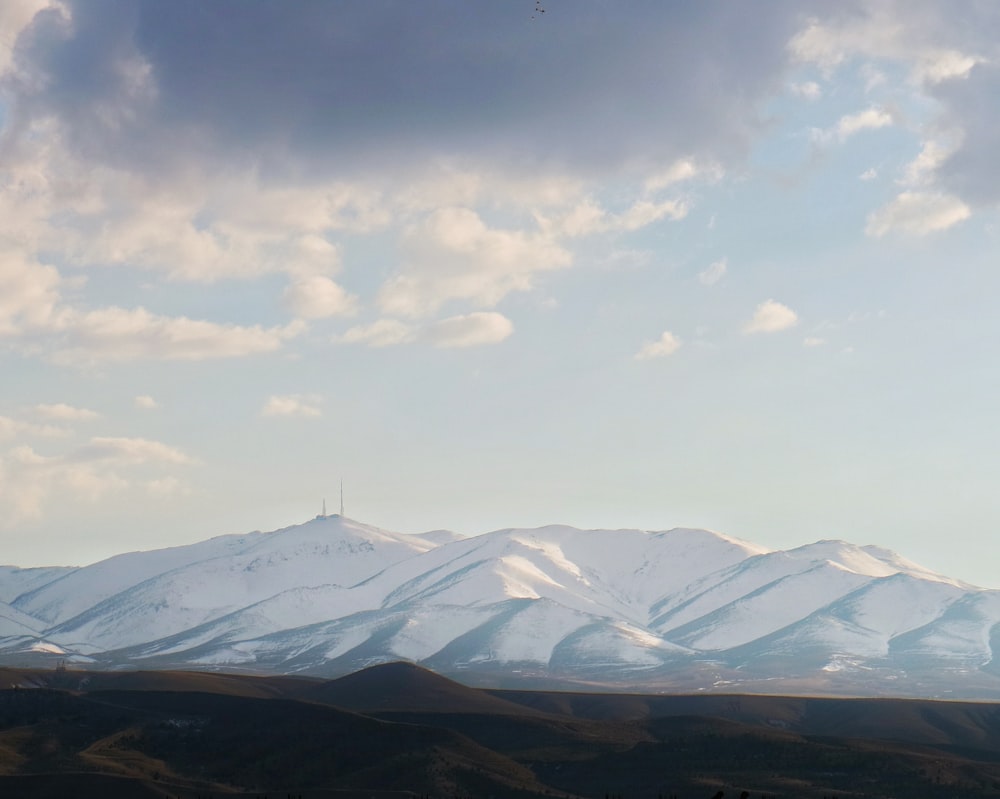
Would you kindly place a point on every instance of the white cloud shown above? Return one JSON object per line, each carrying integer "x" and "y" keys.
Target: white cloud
{"x": 146, "y": 402}
{"x": 11, "y": 428}
{"x": 882, "y": 32}
{"x": 303, "y": 405}
{"x": 917, "y": 214}
{"x": 684, "y": 169}
{"x": 813, "y": 341}
{"x": 470, "y": 330}
{"x": 453, "y": 255}
{"x": 666, "y": 344}
{"x": 587, "y": 217}
{"x": 28, "y": 479}
{"x": 869, "y": 119}
{"x": 117, "y": 334}
{"x": 770, "y": 317}
{"x": 317, "y": 297}
{"x": 29, "y": 293}
{"x": 714, "y": 272}
{"x": 64, "y": 413}
{"x": 467, "y": 330}
{"x": 851, "y": 124}
{"x": 810, "y": 90}
{"x": 869, "y": 174}
{"x": 921, "y": 169}
{"x": 381, "y": 333}
{"x": 127, "y": 450}
{"x": 14, "y": 17}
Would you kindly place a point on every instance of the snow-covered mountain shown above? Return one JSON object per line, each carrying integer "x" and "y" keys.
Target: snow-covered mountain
{"x": 675, "y": 610}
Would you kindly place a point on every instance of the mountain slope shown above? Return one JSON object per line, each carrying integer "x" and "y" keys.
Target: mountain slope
{"x": 677, "y": 609}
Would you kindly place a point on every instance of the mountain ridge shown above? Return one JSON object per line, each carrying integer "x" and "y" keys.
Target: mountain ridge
{"x": 680, "y": 609}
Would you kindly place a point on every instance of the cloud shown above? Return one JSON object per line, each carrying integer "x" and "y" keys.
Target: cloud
{"x": 714, "y": 272}
{"x": 869, "y": 119}
{"x": 302, "y": 405}
{"x": 852, "y": 124}
{"x": 950, "y": 60}
{"x": 15, "y": 15}
{"x": 381, "y": 333}
{"x": 470, "y": 330}
{"x": 139, "y": 77}
{"x": 810, "y": 90}
{"x": 666, "y": 344}
{"x": 12, "y": 428}
{"x": 813, "y": 341}
{"x": 102, "y": 466}
{"x": 117, "y": 334}
{"x": 318, "y": 297}
{"x": 916, "y": 34}
{"x": 145, "y": 402}
{"x": 970, "y": 170}
{"x": 869, "y": 174}
{"x": 454, "y": 255}
{"x": 29, "y": 293}
{"x": 467, "y": 330}
{"x": 64, "y": 413}
{"x": 771, "y": 317}
{"x": 127, "y": 450}
{"x": 917, "y": 214}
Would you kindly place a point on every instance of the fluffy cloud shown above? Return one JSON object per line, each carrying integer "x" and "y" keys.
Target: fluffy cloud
{"x": 852, "y": 124}
{"x": 303, "y": 405}
{"x": 60, "y": 411}
{"x": 470, "y": 330}
{"x": 666, "y": 344}
{"x": 14, "y": 17}
{"x": 126, "y": 450}
{"x": 381, "y": 333}
{"x": 810, "y": 90}
{"x": 770, "y": 317}
{"x": 117, "y": 334}
{"x": 467, "y": 330}
{"x": 103, "y": 465}
{"x": 714, "y": 272}
{"x": 917, "y": 213}
{"x": 971, "y": 170}
{"x": 454, "y": 255}
{"x": 318, "y": 297}
{"x": 11, "y": 428}
{"x": 869, "y": 119}
{"x": 29, "y": 293}
{"x": 916, "y": 34}
{"x": 145, "y": 402}
{"x": 949, "y": 54}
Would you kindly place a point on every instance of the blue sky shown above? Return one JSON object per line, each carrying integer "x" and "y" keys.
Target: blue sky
{"x": 642, "y": 264}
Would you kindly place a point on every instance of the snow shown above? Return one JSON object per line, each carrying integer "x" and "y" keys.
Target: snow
{"x": 768, "y": 609}
{"x": 15, "y": 581}
{"x": 595, "y": 603}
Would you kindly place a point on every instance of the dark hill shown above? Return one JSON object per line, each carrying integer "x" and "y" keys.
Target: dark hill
{"x": 407, "y": 687}
{"x": 413, "y": 733}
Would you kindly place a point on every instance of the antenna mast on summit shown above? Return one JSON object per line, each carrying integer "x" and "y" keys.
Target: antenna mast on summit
{"x": 341, "y": 497}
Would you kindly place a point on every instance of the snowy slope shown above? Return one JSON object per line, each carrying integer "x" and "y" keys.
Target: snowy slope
{"x": 327, "y": 551}
{"x": 15, "y": 581}
{"x": 682, "y": 607}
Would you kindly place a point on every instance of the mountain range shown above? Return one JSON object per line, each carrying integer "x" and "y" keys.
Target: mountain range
{"x": 681, "y": 610}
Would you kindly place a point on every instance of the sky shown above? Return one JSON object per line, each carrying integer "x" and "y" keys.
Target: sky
{"x": 659, "y": 264}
